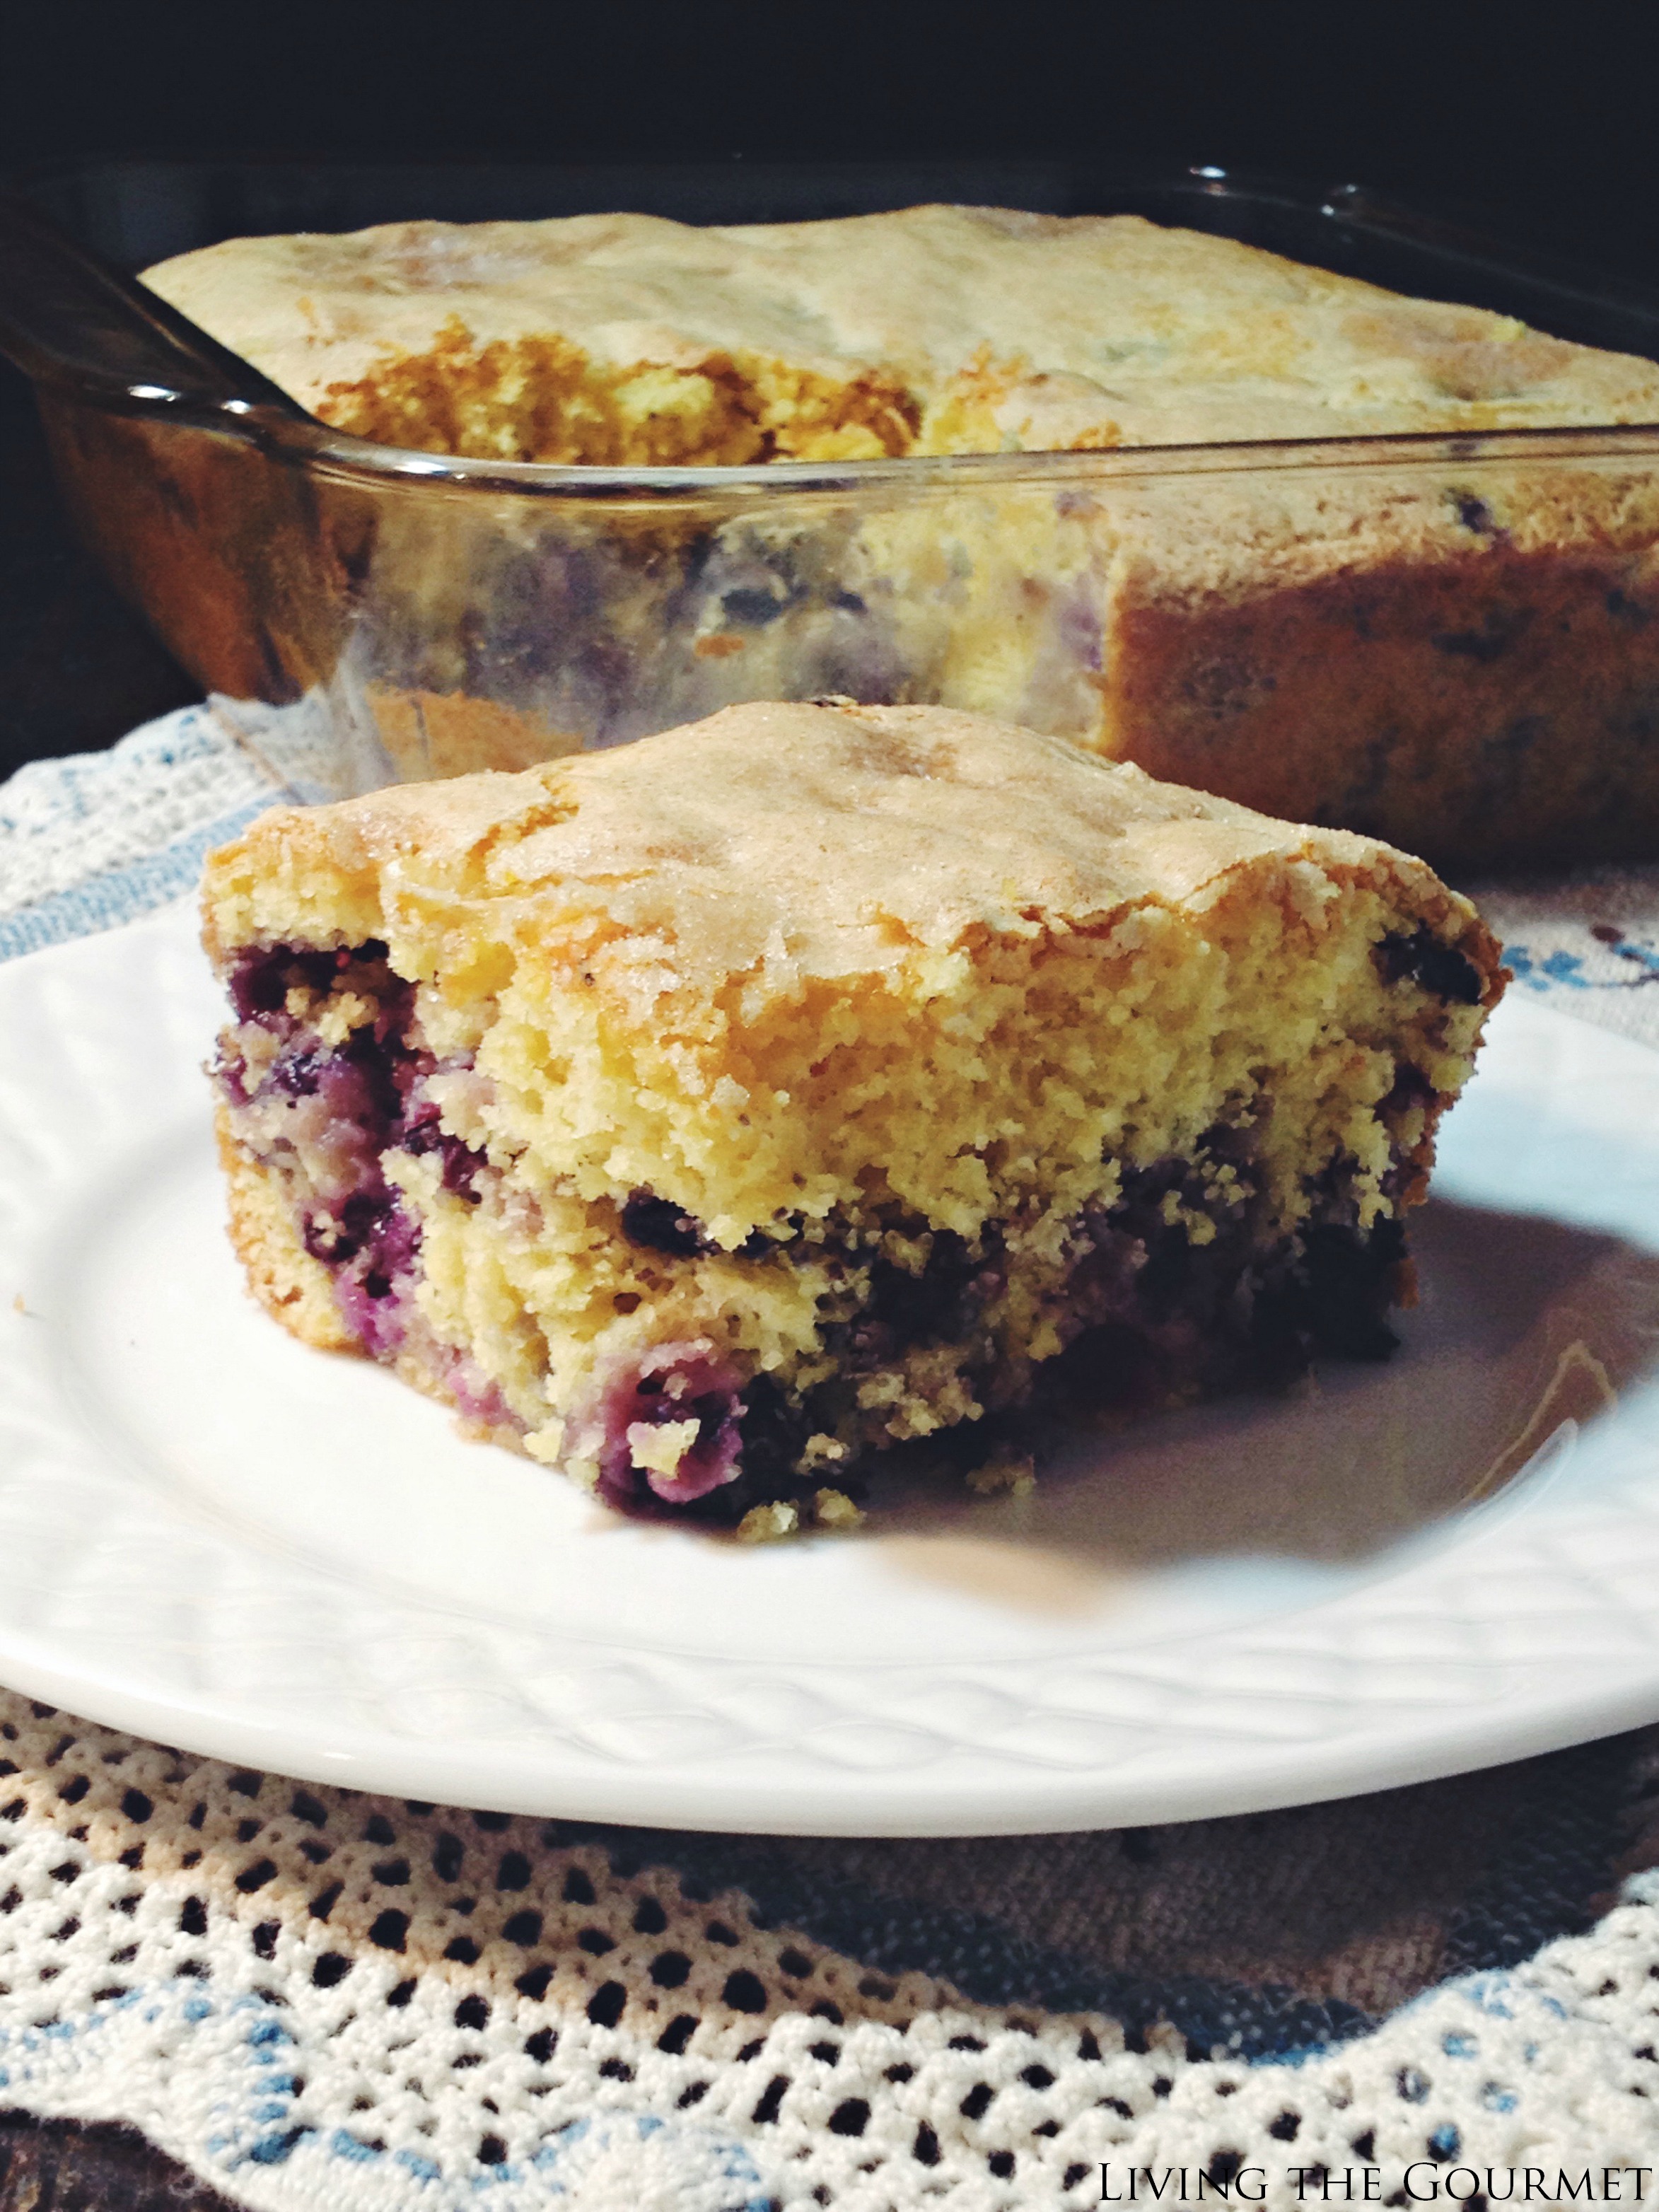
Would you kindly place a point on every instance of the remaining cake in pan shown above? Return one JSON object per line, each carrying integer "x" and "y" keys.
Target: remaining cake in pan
{"x": 1457, "y": 651}
{"x": 627, "y": 339}
{"x": 714, "y": 1111}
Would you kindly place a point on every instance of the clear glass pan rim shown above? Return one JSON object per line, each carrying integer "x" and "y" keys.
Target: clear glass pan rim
{"x": 318, "y": 449}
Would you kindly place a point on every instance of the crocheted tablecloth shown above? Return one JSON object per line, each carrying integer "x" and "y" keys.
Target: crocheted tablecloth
{"x": 310, "y": 1997}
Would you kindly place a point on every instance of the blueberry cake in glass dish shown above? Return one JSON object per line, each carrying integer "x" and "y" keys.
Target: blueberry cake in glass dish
{"x": 708, "y": 1115}
{"x": 933, "y": 415}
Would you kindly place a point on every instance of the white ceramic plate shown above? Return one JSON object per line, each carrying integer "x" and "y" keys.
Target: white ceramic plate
{"x": 212, "y": 1535}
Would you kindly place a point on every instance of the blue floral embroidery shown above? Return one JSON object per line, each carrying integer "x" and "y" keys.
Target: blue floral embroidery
{"x": 1539, "y": 975}
{"x": 1562, "y": 968}
{"x": 1640, "y": 955}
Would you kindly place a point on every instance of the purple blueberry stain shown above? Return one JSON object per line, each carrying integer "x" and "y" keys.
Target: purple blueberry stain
{"x": 461, "y": 1165}
{"x": 372, "y": 1285}
{"x": 1423, "y": 958}
{"x": 1082, "y": 626}
{"x": 943, "y": 1302}
{"x": 261, "y": 981}
{"x": 659, "y": 1225}
{"x": 365, "y": 1096}
{"x": 1474, "y": 514}
{"x": 669, "y": 1386}
{"x": 370, "y": 1089}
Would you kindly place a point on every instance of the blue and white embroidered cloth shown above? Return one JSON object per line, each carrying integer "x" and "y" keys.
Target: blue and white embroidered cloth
{"x": 314, "y": 1997}
{"x": 93, "y": 840}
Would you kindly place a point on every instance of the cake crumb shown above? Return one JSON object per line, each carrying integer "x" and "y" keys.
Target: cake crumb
{"x": 546, "y": 1443}
{"x": 833, "y": 1508}
{"x": 658, "y": 1448}
{"x": 343, "y": 1012}
{"x": 821, "y": 1448}
{"x": 1016, "y": 1473}
{"x": 766, "y": 1524}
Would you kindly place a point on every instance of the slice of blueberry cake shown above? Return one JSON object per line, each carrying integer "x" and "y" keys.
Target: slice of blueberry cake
{"x": 707, "y": 1115}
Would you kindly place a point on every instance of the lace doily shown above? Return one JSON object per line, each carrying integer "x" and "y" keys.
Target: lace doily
{"x": 312, "y": 1996}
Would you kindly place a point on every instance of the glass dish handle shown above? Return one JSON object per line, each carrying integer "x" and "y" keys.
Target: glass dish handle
{"x": 69, "y": 317}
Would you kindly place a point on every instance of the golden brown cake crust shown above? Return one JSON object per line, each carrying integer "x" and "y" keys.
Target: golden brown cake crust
{"x": 985, "y": 329}
{"x": 704, "y": 849}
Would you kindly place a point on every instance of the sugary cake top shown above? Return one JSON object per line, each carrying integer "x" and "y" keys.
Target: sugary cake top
{"x": 807, "y": 840}
{"x": 1061, "y": 331}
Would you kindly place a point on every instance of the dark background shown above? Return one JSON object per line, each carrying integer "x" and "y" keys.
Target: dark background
{"x": 1552, "y": 116}
{"x": 1546, "y": 127}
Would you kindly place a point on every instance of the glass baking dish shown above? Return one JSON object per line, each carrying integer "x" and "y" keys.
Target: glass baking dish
{"x": 1451, "y": 641}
